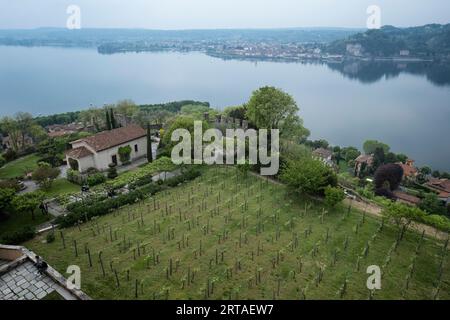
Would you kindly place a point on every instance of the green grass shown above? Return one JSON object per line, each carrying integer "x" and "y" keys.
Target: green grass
{"x": 262, "y": 233}
{"x": 60, "y": 187}
{"x": 19, "y": 167}
{"x": 53, "y": 296}
{"x": 18, "y": 221}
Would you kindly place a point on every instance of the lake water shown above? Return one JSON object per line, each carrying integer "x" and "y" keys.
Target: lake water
{"x": 404, "y": 105}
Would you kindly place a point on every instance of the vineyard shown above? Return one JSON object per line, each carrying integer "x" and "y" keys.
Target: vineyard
{"x": 229, "y": 236}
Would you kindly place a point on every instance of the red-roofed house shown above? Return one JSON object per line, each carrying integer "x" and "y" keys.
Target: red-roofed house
{"x": 409, "y": 170}
{"x": 406, "y": 198}
{"x": 362, "y": 162}
{"x": 99, "y": 150}
{"x": 442, "y": 186}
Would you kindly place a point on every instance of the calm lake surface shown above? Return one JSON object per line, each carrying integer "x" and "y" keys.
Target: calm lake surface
{"x": 342, "y": 104}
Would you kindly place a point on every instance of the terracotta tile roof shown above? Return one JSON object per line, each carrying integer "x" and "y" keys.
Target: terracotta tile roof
{"x": 406, "y": 197}
{"x": 408, "y": 170}
{"x": 55, "y": 134}
{"x": 441, "y": 185}
{"x": 365, "y": 159}
{"x": 78, "y": 153}
{"x": 323, "y": 153}
{"x": 108, "y": 139}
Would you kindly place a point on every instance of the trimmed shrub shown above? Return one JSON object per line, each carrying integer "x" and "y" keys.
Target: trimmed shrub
{"x": 75, "y": 177}
{"x": 82, "y": 210}
{"x": 139, "y": 182}
{"x": 95, "y": 179}
{"x": 333, "y": 196}
{"x": 92, "y": 170}
{"x": 19, "y": 236}
{"x": 112, "y": 171}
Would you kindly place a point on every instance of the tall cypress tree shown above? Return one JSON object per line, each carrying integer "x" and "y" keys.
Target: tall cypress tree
{"x": 149, "y": 144}
{"x": 113, "y": 120}
{"x": 108, "y": 121}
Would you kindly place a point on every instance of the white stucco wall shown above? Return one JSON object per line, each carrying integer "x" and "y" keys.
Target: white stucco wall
{"x": 86, "y": 163}
{"x": 104, "y": 158}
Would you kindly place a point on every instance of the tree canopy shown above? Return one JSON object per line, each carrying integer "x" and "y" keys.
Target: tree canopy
{"x": 44, "y": 175}
{"x": 28, "y": 202}
{"x": 272, "y": 108}
{"x": 308, "y": 176}
{"x": 370, "y": 146}
{"x": 333, "y": 196}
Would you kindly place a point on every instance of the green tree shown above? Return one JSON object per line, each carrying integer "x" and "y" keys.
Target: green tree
{"x": 37, "y": 133}
{"x": 180, "y": 122}
{"x": 108, "y": 120}
{"x": 114, "y": 124}
{"x": 28, "y": 202}
{"x": 431, "y": 204}
{"x": 379, "y": 158}
{"x": 9, "y": 126}
{"x": 402, "y": 157}
{"x": 425, "y": 170}
{"x": 403, "y": 215}
{"x": 322, "y": 143}
{"x": 333, "y": 196}
{"x": 6, "y": 196}
{"x": 337, "y": 154}
{"x": 308, "y": 176}
{"x": 350, "y": 153}
{"x": 271, "y": 108}
{"x": 127, "y": 108}
{"x": 44, "y": 175}
{"x": 436, "y": 174}
{"x": 391, "y": 157}
{"x": 237, "y": 112}
{"x": 149, "y": 144}
{"x": 24, "y": 123}
{"x": 371, "y": 145}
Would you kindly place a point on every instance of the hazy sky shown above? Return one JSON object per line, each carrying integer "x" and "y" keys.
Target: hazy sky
{"x": 193, "y": 14}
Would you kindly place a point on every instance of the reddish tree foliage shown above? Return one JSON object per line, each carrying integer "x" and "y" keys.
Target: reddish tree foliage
{"x": 388, "y": 178}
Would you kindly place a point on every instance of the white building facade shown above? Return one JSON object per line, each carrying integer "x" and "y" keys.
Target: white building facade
{"x": 100, "y": 150}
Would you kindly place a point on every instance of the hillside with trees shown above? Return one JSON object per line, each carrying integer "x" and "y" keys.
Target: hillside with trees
{"x": 430, "y": 41}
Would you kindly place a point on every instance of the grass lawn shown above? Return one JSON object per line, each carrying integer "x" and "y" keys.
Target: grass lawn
{"x": 19, "y": 167}
{"x": 53, "y": 296}
{"x": 18, "y": 221}
{"x": 222, "y": 236}
{"x": 60, "y": 187}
